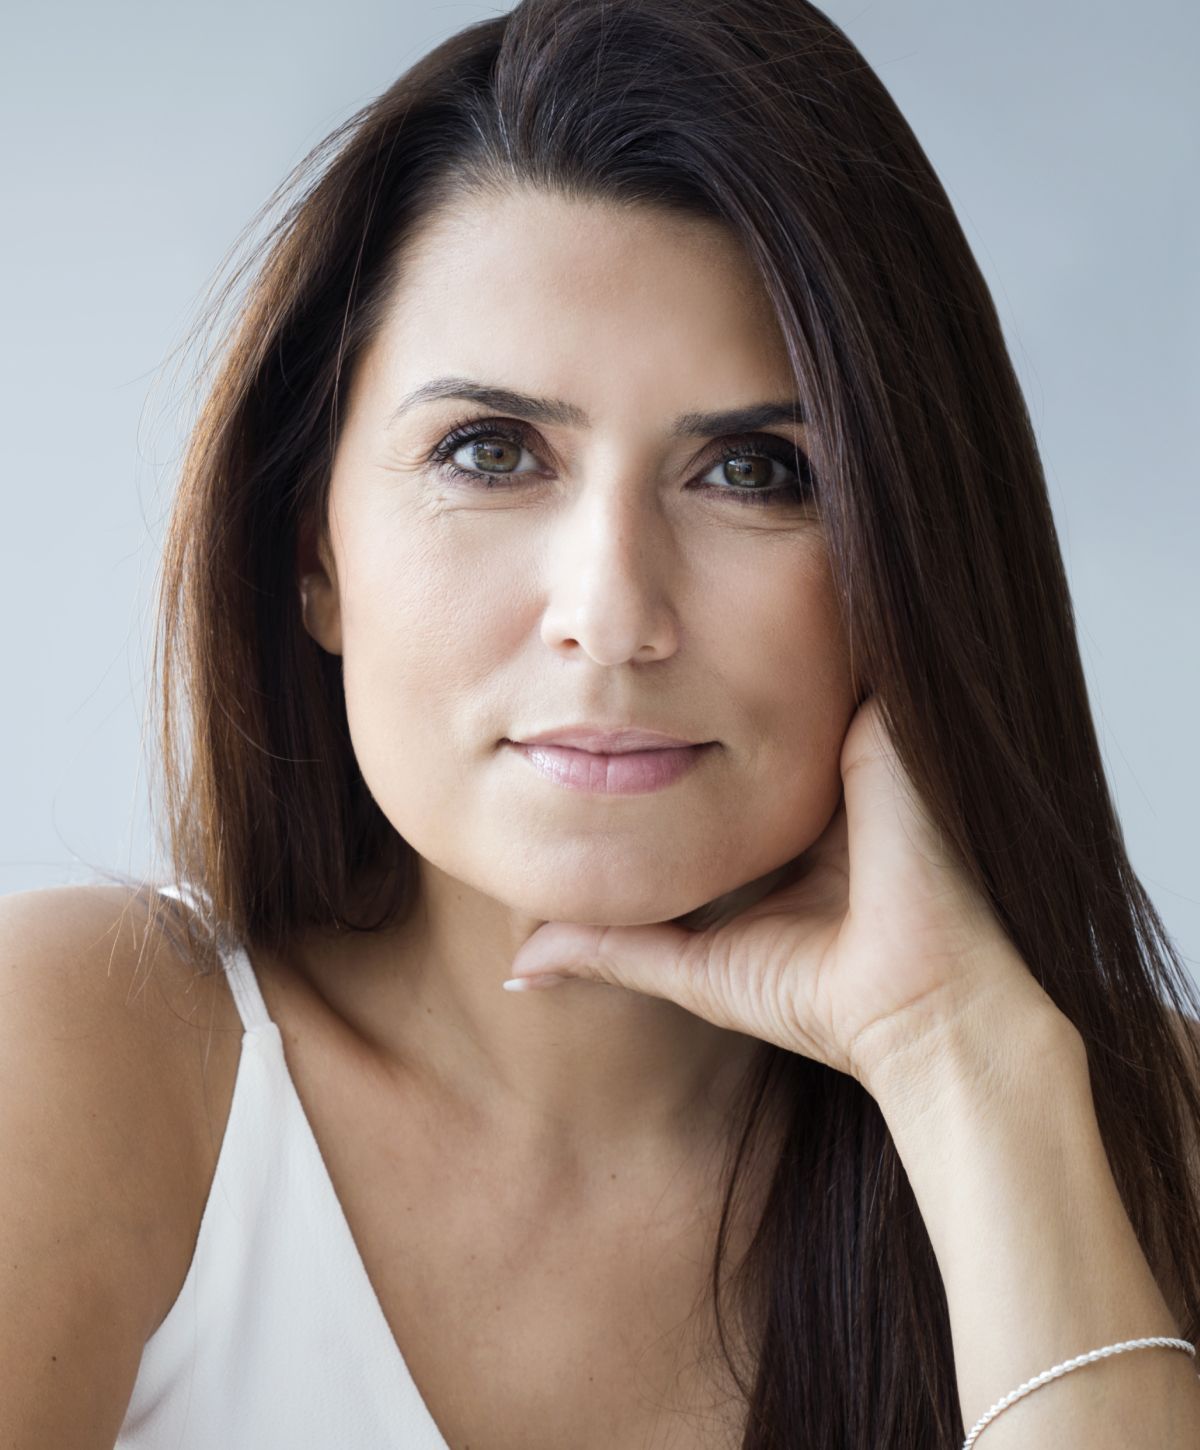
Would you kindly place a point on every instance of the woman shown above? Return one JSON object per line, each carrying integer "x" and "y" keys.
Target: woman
{"x": 614, "y": 546}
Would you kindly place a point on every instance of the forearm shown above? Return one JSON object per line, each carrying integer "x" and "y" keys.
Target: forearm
{"x": 996, "y": 1127}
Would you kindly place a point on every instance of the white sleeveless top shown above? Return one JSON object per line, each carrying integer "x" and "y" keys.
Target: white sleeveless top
{"x": 277, "y": 1340}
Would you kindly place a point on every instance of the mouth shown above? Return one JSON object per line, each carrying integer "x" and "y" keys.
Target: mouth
{"x": 601, "y": 740}
{"x": 612, "y": 771}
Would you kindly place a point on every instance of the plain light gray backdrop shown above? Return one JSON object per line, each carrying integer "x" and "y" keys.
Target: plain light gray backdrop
{"x": 139, "y": 139}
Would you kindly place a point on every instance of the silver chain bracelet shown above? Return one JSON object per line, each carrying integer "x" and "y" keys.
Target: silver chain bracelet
{"x": 1067, "y": 1365}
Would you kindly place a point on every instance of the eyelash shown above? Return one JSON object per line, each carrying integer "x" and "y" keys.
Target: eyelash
{"x": 761, "y": 445}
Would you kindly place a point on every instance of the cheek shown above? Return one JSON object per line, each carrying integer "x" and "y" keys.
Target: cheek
{"x": 422, "y": 616}
{"x": 781, "y": 649}
{"x": 437, "y": 631}
{"x": 783, "y": 660}
{"x": 423, "y": 636}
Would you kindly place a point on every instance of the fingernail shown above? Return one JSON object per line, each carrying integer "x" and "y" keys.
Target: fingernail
{"x": 529, "y": 984}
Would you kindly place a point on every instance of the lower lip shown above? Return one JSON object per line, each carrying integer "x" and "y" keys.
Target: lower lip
{"x": 635, "y": 773}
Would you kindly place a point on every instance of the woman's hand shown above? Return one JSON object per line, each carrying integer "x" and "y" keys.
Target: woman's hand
{"x": 877, "y": 939}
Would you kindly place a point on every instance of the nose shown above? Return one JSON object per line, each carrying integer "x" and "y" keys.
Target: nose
{"x": 610, "y": 579}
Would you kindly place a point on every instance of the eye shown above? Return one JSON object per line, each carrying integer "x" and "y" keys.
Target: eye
{"x": 503, "y": 440}
{"x": 769, "y": 470}
{"x": 764, "y": 470}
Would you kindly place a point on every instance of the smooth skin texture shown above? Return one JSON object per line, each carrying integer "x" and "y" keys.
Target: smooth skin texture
{"x": 608, "y": 561}
{"x": 115, "y": 1080}
{"x": 566, "y": 1136}
{"x": 601, "y": 584}
{"x": 617, "y": 578}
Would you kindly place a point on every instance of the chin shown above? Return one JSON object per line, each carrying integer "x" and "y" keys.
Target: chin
{"x": 646, "y": 903}
{"x": 724, "y": 908}
{"x": 594, "y": 905}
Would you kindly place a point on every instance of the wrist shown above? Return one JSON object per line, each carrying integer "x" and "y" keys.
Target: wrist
{"x": 981, "y": 1047}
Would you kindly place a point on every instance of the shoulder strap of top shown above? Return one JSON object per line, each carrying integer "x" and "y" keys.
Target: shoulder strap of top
{"x": 238, "y": 968}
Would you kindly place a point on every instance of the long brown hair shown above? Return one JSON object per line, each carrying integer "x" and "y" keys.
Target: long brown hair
{"x": 762, "y": 114}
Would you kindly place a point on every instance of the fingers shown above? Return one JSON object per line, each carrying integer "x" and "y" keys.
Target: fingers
{"x": 642, "y": 958}
{"x": 691, "y": 969}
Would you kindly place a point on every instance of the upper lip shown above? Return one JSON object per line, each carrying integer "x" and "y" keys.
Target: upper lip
{"x": 606, "y": 741}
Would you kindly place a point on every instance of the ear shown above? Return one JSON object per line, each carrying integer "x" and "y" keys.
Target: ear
{"x": 316, "y": 575}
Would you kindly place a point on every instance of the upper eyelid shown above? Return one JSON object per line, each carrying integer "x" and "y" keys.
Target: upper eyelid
{"x": 529, "y": 430}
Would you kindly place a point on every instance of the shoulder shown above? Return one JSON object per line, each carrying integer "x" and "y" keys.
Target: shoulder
{"x": 118, "y": 1059}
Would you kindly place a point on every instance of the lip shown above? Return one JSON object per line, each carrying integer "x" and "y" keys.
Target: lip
{"x": 628, "y": 772}
{"x": 601, "y": 741}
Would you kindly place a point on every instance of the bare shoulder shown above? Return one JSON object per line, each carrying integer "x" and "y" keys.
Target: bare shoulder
{"x": 92, "y": 977}
{"x": 118, "y": 1061}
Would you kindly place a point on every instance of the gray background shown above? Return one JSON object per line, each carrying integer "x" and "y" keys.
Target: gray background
{"x": 138, "y": 140}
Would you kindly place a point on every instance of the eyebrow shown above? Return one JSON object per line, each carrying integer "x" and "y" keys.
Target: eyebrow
{"x": 556, "y": 412}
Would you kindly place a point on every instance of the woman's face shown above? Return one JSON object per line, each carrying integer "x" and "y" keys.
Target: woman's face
{"x": 622, "y": 570}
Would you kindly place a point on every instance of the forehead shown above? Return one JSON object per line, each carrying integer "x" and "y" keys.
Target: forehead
{"x": 581, "y": 243}
{"x": 547, "y": 291}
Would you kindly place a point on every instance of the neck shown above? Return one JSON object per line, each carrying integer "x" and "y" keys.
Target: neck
{"x": 569, "y": 1074}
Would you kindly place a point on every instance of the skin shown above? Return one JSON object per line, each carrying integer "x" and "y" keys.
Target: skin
{"x": 603, "y": 586}
{"x": 606, "y": 586}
